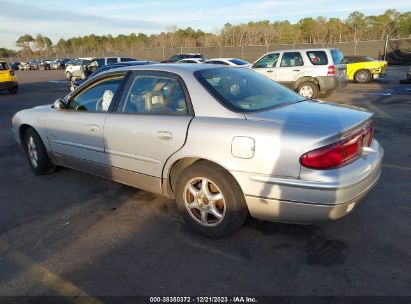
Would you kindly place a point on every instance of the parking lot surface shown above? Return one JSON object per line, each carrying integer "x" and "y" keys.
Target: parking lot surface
{"x": 73, "y": 234}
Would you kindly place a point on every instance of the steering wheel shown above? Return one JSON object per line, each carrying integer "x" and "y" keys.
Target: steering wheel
{"x": 80, "y": 108}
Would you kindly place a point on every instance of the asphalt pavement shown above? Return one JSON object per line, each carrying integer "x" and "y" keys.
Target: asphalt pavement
{"x": 74, "y": 234}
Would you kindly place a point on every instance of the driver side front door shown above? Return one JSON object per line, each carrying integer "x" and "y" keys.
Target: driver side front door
{"x": 75, "y": 134}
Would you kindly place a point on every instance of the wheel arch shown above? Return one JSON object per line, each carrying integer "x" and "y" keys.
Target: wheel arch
{"x": 22, "y": 130}
{"x": 304, "y": 79}
{"x": 174, "y": 170}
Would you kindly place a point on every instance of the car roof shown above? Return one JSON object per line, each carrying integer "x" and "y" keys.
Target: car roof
{"x": 301, "y": 50}
{"x": 186, "y": 69}
{"x": 223, "y": 59}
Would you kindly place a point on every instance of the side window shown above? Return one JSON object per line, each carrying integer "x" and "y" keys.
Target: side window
{"x": 291, "y": 59}
{"x": 151, "y": 94}
{"x": 97, "y": 97}
{"x": 269, "y": 61}
{"x": 317, "y": 57}
{"x": 101, "y": 62}
{"x": 111, "y": 60}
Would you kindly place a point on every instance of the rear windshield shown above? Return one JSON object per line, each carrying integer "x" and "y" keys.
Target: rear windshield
{"x": 3, "y": 66}
{"x": 238, "y": 61}
{"x": 243, "y": 90}
{"x": 337, "y": 56}
{"x": 317, "y": 57}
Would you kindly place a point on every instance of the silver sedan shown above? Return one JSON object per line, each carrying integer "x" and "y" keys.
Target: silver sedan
{"x": 224, "y": 142}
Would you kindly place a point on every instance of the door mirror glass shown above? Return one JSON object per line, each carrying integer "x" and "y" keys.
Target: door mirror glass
{"x": 59, "y": 104}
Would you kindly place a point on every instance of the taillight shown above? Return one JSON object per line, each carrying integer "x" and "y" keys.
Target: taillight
{"x": 331, "y": 70}
{"x": 339, "y": 153}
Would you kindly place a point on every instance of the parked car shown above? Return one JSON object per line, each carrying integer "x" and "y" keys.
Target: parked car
{"x": 75, "y": 83}
{"x": 33, "y": 65}
{"x": 97, "y": 63}
{"x": 44, "y": 65}
{"x": 59, "y": 64}
{"x": 14, "y": 65}
{"x": 191, "y": 60}
{"x": 74, "y": 67}
{"x": 24, "y": 66}
{"x": 230, "y": 61}
{"x": 83, "y": 67}
{"x": 224, "y": 142}
{"x": 310, "y": 72}
{"x": 178, "y": 57}
{"x": 8, "y": 81}
{"x": 363, "y": 69}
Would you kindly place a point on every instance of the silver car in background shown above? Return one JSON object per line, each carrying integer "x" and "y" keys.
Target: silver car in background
{"x": 224, "y": 142}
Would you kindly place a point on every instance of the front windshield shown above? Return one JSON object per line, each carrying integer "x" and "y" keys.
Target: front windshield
{"x": 243, "y": 90}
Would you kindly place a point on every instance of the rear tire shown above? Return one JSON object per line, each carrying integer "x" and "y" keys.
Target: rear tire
{"x": 362, "y": 76}
{"x": 39, "y": 161}
{"x": 210, "y": 200}
{"x": 308, "y": 89}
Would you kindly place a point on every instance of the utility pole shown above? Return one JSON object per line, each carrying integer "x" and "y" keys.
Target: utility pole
{"x": 385, "y": 47}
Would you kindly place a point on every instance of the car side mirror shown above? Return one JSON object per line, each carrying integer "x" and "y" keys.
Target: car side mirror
{"x": 59, "y": 104}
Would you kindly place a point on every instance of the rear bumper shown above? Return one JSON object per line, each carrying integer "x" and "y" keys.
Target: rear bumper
{"x": 302, "y": 201}
{"x": 7, "y": 85}
{"x": 327, "y": 83}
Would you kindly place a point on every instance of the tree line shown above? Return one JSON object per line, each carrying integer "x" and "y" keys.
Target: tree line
{"x": 356, "y": 27}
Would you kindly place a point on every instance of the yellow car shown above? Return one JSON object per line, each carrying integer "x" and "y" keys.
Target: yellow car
{"x": 8, "y": 81}
{"x": 363, "y": 69}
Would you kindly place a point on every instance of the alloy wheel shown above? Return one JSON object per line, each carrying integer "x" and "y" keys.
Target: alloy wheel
{"x": 204, "y": 201}
{"x": 32, "y": 150}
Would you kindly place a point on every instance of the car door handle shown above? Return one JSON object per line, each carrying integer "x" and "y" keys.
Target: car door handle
{"x": 269, "y": 71}
{"x": 296, "y": 70}
{"x": 92, "y": 128}
{"x": 166, "y": 135}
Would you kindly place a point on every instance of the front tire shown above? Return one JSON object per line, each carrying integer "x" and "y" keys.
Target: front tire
{"x": 210, "y": 200}
{"x": 13, "y": 90}
{"x": 362, "y": 76}
{"x": 308, "y": 89}
{"x": 36, "y": 152}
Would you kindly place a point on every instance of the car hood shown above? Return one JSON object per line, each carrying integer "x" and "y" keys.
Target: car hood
{"x": 328, "y": 116}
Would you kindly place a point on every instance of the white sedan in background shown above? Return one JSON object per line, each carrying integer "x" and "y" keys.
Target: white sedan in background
{"x": 191, "y": 60}
{"x": 230, "y": 61}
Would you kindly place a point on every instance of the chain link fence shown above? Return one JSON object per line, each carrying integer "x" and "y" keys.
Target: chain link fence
{"x": 396, "y": 51}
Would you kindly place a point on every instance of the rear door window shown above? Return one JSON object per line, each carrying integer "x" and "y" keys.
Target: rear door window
{"x": 154, "y": 94}
{"x": 317, "y": 57}
{"x": 291, "y": 59}
{"x": 111, "y": 60}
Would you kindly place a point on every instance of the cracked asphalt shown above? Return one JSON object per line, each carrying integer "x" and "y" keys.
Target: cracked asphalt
{"x": 75, "y": 234}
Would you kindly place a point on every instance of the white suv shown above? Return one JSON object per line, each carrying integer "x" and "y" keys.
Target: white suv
{"x": 77, "y": 67}
{"x": 310, "y": 72}
{"x": 74, "y": 67}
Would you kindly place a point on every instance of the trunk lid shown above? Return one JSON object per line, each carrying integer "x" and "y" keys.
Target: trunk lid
{"x": 333, "y": 118}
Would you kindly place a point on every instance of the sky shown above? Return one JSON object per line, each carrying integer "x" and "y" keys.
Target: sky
{"x": 65, "y": 19}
